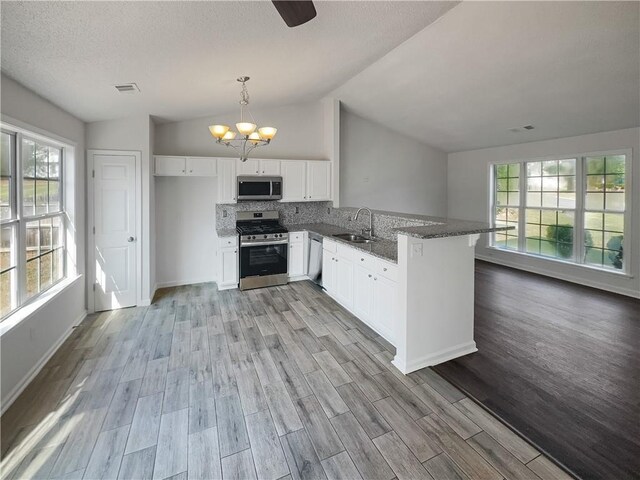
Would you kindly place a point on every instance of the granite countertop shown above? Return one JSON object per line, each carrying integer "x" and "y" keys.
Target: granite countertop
{"x": 448, "y": 227}
{"x": 226, "y": 232}
{"x": 384, "y": 249}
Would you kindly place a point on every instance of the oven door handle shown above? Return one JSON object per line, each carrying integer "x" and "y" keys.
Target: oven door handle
{"x": 258, "y": 244}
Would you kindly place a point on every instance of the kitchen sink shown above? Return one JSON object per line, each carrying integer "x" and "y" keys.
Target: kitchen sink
{"x": 353, "y": 238}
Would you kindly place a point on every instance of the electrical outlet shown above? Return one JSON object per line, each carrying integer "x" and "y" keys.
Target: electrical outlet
{"x": 297, "y": 209}
{"x": 224, "y": 214}
{"x": 328, "y": 211}
{"x": 416, "y": 250}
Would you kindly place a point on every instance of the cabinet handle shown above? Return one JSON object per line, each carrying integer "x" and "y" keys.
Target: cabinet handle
{"x": 362, "y": 259}
{"x": 384, "y": 269}
{"x": 375, "y": 278}
{"x": 190, "y": 171}
{"x": 182, "y": 171}
{"x": 369, "y": 275}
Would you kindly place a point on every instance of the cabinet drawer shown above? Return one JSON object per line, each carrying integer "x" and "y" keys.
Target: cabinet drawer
{"x": 329, "y": 245}
{"x": 296, "y": 237}
{"x": 386, "y": 269}
{"x": 364, "y": 260}
{"x": 228, "y": 242}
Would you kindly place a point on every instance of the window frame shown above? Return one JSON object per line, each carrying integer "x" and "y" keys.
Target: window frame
{"x": 579, "y": 254}
{"x": 19, "y": 220}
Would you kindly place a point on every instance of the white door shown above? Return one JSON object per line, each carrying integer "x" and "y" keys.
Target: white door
{"x": 227, "y": 180}
{"x": 296, "y": 259}
{"x": 344, "y": 281}
{"x": 294, "y": 180}
{"x": 250, "y": 167}
{"x": 385, "y": 293}
{"x": 362, "y": 292}
{"x": 115, "y": 231}
{"x": 228, "y": 266}
{"x": 201, "y": 166}
{"x": 318, "y": 180}
{"x": 270, "y": 167}
{"x": 328, "y": 269}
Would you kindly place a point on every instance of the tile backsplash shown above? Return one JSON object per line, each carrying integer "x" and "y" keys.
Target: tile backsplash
{"x": 384, "y": 223}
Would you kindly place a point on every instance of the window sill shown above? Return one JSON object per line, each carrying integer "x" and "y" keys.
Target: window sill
{"x": 30, "y": 308}
{"x": 561, "y": 262}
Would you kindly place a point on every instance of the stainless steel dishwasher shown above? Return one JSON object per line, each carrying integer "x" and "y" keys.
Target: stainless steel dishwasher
{"x": 315, "y": 258}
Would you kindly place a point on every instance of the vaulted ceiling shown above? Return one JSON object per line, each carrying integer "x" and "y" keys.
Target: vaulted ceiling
{"x": 185, "y": 56}
{"x": 455, "y": 76}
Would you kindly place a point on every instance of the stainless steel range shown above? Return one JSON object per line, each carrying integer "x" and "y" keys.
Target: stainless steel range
{"x": 264, "y": 246}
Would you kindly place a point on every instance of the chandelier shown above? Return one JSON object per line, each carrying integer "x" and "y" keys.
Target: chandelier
{"x": 250, "y": 135}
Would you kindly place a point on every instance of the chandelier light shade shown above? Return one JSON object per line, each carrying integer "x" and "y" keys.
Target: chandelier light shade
{"x": 249, "y": 135}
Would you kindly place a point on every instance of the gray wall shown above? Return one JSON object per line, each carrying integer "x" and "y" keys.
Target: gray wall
{"x": 300, "y": 134}
{"x": 29, "y": 343}
{"x": 468, "y": 192}
{"x": 387, "y": 171}
{"x": 134, "y": 133}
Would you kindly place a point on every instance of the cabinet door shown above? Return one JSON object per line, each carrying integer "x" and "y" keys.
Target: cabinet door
{"x": 227, "y": 180}
{"x": 318, "y": 181}
{"x": 294, "y": 180}
{"x": 228, "y": 266}
{"x": 250, "y": 167}
{"x": 344, "y": 281}
{"x": 201, "y": 167}
{"x": 170, "y": 166}
{"x": 328, "y": 268}
{"x": 270, "y": 167}
{"x": 296, "y": 259}
{"x": 362, "y": 293}
{"x": 385, "y": 301}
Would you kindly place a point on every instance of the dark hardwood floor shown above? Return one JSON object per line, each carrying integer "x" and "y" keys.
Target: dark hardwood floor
{"x": 560, "y": 363}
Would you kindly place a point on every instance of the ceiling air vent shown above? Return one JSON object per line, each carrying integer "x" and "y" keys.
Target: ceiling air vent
{"x": 127, "y": 88}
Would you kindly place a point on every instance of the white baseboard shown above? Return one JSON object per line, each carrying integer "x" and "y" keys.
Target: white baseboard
{"x": 19, "y": 388}
{"x": 435, "y": 358}
{"x": 298, "y": 278}
{"x": 561, "y": 276}
{"x": 227, "y": 287}
{"x": 179, "y": 283}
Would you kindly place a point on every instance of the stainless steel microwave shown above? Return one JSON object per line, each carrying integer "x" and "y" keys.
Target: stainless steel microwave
{"x": 259, "y": 188}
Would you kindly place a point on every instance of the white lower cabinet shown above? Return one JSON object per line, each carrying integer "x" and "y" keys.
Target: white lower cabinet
{"x": 363, "y": 284}
{"x": 298, "y": 255}
{"x": 228, "y": 274}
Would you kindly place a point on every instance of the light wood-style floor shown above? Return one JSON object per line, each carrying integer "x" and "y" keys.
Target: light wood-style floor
{"x": 272, "y": 383}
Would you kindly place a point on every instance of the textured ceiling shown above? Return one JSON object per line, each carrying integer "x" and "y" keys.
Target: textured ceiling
{"x": 568, "y": 68}
{"x": 185, "y": 56}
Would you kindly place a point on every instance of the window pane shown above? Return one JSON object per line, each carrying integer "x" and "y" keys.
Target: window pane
{"x": 8, "y": 287}
{"x": 595, "y": 165}
{"x": 42, "y": 161}
{"x": 45, "y": 235}
{"x": 614, "y": 201}
{"x": 534, "y": 169}
{"x": 614, "y": 222}
{"x": 550, "y": 167}
{"x": 594, "y": 201}
{"x": 534, "y": 199}
{"x": 33, "y": 276}
{"x": 595, "y": 183}
{"x": 33, "y": 240}
{"x": 45, "y": 270}
{"x": 615, "y": 163}
{"x": 54, "y": 162}
{"x": 7, "y": 248}
{"x": 57, "y": 231}
{"x": 29, "y": 175}
{"x": 42, "y": 196}
{"x": 567, "y": 167}
{"x": 58, "y": 264}
{"x": 593, "y": 220}
{"x": 6, "y": 164}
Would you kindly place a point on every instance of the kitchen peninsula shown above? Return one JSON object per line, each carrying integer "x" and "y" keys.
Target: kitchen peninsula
{"x": 414, "y": 284}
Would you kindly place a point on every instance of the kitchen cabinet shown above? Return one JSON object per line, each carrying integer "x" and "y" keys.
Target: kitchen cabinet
{"x": 227, "y": 182}
{"x": 318, "y": 181}
{"x": 228, "y": 271}
{"x": 259, "y": 166}
{"x": 329, "y": 266}
{"x": 185, "y": 166}
{"x": 294, "y": 180}
{"x": 384, "y": 310}
{"x": 298, "y": 255}
{"x": 250, "y": 167}
{"x": 362, "y": 292}
{"x": 344, "y": 280}
{"x": 305, "y": 181}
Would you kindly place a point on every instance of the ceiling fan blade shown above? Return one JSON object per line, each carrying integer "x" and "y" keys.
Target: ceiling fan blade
{"x": 295, "y": 12}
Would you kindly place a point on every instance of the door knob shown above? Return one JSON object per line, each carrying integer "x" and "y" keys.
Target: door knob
{"x": 131, "y": 239}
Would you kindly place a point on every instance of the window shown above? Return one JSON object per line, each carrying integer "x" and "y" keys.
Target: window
{"x": 32, "y": 249}
{"x": 569, "y": 209}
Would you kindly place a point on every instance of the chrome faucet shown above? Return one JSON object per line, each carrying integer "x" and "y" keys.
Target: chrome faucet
{"x": 366, "y": 231}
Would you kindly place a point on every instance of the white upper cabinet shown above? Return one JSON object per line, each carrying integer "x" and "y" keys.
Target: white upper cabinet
{"x": 201, "y": 166}
{"x": 181, "y": 166}
{"x": 250, "y": 167}
{"x": 294, "y": 180}
{"x": 318, "y": 181}
{"x": 227, "y": 180}
{"x": 270, "y": 167}
{"x": 171, "y": 166}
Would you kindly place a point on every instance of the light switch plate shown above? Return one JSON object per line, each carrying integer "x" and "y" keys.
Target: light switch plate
{"x": 416, "y": 250}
